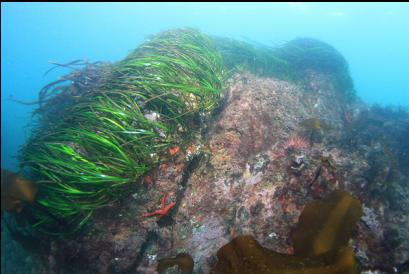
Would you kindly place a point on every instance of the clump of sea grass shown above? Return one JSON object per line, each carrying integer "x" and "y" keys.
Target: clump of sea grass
{"x": 289, "y": 61}
{"x": 305, "y": 54}
{"x": 114, "y": 127}
{"x": 259, "y": 59}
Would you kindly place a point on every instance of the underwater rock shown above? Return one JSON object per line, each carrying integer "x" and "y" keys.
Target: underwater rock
{"x": 182, "y": 260}
{"x": 371, "y": 220}
{"x": 220, "y": 197}
{"x": 218, "y": 202}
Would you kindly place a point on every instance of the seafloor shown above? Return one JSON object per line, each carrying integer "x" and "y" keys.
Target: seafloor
{"x": 252, "y": 172}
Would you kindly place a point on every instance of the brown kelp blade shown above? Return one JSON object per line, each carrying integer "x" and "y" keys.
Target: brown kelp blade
{"x": 320, "y": 243}
{"x": 326, "y": 224}
{"x": 183, "y": 260}
{"x": 315, "y": 124}
{"x": 244, "y": 255}
{"x": 15, "y": 190}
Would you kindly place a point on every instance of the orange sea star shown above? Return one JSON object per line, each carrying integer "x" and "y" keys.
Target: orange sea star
{"x": 164, "y": 210}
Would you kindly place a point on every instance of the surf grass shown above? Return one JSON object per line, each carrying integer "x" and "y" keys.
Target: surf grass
{"x": 259, "y": 59}
{"x": 305, "y": 54}
{"x": 290, "y": 61}
{"x": 111, "y": 134}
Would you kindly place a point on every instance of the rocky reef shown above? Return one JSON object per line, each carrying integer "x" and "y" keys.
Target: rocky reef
{"x": 272, "y": 147}
{"x": 243, "y": 176}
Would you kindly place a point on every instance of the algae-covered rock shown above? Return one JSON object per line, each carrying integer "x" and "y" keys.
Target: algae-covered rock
{"x": 236, "y": 171}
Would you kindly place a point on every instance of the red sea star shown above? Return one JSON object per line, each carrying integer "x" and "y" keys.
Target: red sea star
{"x": 164, "y": 210}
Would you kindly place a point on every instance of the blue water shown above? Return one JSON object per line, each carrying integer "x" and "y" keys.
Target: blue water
{"x": 374, "y": 38}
